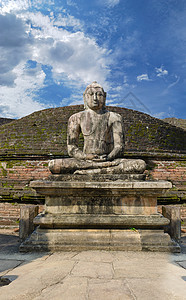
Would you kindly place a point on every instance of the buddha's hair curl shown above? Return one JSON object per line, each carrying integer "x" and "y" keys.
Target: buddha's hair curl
{"x": 94, "y": 84}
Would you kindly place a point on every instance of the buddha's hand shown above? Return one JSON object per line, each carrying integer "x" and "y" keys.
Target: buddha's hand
{"x": 100, "y": 158}
{"x": 97, "y": 158}
{"x": 91, "y": 157}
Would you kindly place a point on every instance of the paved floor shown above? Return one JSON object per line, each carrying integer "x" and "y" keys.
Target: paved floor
{"x": 90, "y": 274}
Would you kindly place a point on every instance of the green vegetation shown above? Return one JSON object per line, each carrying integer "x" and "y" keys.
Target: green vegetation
{"x": 3, "y": 170}
{"x": 7, "y": 185}
{"x": 133, "y": 229}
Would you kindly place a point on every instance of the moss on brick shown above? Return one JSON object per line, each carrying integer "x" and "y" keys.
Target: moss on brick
{"x": 3, "y": 171}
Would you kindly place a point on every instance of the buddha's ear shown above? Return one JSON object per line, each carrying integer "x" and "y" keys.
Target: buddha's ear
{"x": 105, "y": 95}
{"x": 104, "y": 104}
{"x": 84, "y": 99}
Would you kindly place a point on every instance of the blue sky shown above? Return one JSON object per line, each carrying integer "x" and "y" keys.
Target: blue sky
{"x": 50, "y": 50}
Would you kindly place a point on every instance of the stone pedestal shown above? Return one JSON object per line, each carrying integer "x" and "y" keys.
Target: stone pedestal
{"x": 110, "y": 215}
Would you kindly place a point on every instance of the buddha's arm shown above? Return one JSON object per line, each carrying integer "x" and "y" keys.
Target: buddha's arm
{"x": 118, "y": 137}
{"x": 73, "y": 137}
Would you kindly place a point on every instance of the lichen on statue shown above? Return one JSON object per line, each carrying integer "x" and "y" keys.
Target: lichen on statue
{"x": 103, "y": 140}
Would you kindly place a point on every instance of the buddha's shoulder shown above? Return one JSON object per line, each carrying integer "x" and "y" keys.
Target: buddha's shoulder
{"x": 76, "y": 116}
{"x": 114, "y": 117}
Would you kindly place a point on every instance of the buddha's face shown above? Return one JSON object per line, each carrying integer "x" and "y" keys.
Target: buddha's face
{"x": 95, "y": 98}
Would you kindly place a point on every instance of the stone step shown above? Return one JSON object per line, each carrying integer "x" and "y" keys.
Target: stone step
{"x": 9, "y": 226}
{"x": 99, "y": 239}
{"x": 9, "y": 217}
{"x": 8, "y": 222}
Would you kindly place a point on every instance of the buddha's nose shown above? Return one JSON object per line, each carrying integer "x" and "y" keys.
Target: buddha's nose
{"x": 95, "y": 96}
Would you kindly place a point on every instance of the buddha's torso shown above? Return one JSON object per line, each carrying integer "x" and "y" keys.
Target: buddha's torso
{"x": 97, "y": 132}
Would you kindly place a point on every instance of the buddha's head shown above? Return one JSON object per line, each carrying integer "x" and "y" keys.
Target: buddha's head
{"x": 94, "y": 97}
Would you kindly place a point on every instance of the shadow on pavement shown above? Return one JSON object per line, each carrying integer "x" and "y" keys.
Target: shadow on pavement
{"x": 183, "y": 243}
{"x": 10, "y": 257}
{"x": 9, "y": 243}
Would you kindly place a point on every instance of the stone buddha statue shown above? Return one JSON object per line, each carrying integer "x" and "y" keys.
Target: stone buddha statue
{"x": 103, "y": 140}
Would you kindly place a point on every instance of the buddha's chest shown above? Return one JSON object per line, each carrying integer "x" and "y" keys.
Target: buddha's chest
{"x": 95, "y": 125}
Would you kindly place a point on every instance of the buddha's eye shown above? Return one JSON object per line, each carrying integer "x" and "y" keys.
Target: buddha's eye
{"x": 91, "y": 94}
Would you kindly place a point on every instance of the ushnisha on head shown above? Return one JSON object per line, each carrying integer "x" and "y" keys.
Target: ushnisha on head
{"x": 94, "y": 97}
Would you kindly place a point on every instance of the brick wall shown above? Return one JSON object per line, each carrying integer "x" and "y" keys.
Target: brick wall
{"x": 10, "y": 214}
{"x": 174, "y": 171}
{"x": 24, "y": 170}
{"x": 15, "y": 176}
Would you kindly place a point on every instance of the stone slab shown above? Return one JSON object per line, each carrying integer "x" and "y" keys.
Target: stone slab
{"x": 109, "y": 289}
{"x": 98, "y": 239}
{"x": 93, "y": 270}
{"x": 79, "y": 240}
{"x": 47, "y": 187}
{"x": 157, "y": 240}
{"x": 99, "y": 221}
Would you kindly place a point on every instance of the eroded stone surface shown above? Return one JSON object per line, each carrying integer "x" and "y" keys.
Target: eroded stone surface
{"x": 93, "y": 270}
{"x": 77, "y": 220}
{"x": 109, "y": 289}
{"x": 94, "y": 177}
{"x": 93, "y": 275}
{"x": 99, "y": 239}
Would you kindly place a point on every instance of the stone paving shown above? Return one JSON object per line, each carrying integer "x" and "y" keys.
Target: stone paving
{"x": 90, "y": 275}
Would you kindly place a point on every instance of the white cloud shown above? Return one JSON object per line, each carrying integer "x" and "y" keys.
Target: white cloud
{"x": 19, "y": 101}
{"x": 73, "y": 57}
{"x": 68, "y": 21}
{"x": 71, "y": 54}
{"x": 143, "y": 77}
{"x": 160, "y": 115}
{"x": 117, "y": 88}
{"x": 14, "y": 47}
{"x": 110, "y": 3}
{"x": 161, "y": 71}
{"x": 169, "y": 113}
{"x": 174, "y": 83}
{"x": 177, "y": 79}
{"x": 7, "y": 6}
{"x": 72, "y": 3}
{"x": 125, "y": 81}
